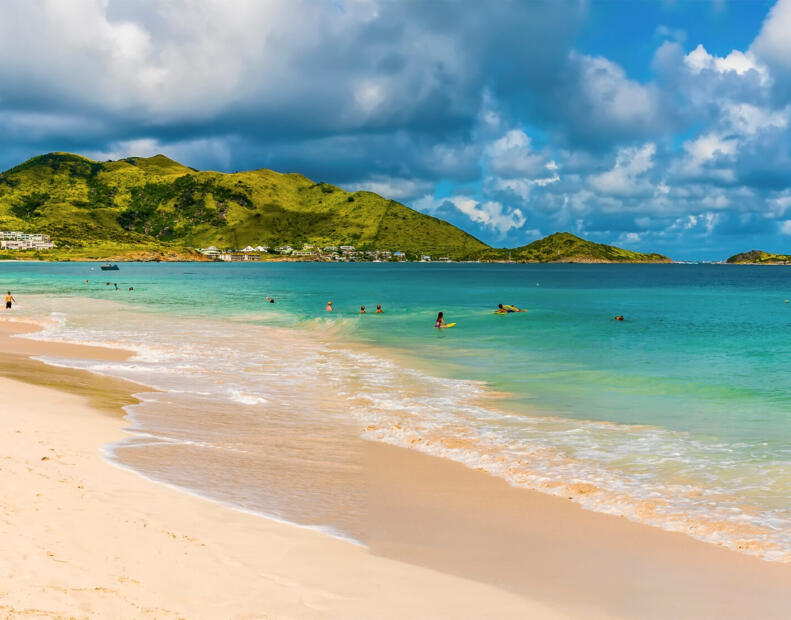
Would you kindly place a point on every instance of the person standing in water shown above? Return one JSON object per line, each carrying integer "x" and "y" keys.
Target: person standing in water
{"x": 362, "y": 309}
{"x": 9, "y": 299}
{"x": 440, "y": 321}
{"x": 329, "y": 306}
{"x": 379, "y": 309}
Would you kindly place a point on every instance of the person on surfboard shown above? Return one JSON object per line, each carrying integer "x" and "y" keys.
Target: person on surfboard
{"x": 507, "y": 309}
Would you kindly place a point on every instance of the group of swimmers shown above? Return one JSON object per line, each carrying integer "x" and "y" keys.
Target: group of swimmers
{"x": 329, "y": 308}
{"x": 115, "y": 284}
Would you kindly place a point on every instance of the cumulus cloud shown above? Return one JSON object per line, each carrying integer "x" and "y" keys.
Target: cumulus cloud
{"x": 494, "y": 105}
{"x": 699, "y": 60}
{"x": 490, "y": 214}
{"x": 773, "y": 42}
{"x": 627, "y": 176}
{"x": 512, "y": 156}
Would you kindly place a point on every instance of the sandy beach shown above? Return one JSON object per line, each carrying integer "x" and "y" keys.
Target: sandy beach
{"x": 82, "y": 538}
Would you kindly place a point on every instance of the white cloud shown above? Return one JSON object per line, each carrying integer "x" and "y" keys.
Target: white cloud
{"x": 518, "y": 187}
{"x": 773, "y": 43}
{"x": 630, "y": 237}
{"x": 699, "y": 60}
{"x": 512, "y": 156}
{"x": 708, "y": 147}
{"x": 490, "y": 214}
{"x": 785, "y": 227}
{"x": 749, "y": 119}
{"x": 626, "y": 176}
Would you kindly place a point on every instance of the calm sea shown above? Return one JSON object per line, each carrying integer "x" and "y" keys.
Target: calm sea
{"x": 679, "y": 416}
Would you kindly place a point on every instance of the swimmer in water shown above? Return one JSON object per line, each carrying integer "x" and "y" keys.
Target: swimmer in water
{"x": 9, "y": 299}
{"x": 116, "y": 286}
{"x": 362, "y": 309}
{"x": 619, "y": 317}
{"x": 501, "y": 309}
{"x": 329, "y": 306}
{"x": 379, "y": 309}
{"x": 440, "y": 321}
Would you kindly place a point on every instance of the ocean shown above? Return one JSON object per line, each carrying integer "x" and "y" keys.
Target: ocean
{"x": 679, "y": 416}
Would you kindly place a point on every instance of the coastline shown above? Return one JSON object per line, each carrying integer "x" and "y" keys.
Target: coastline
{"x": 81, "y": 538}
{"x": 542, "y": 554}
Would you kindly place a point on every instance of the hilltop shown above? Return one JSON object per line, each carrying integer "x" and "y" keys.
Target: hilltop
{"x": 154, "y": 208}
{"x": 759, "y": 257}
{"x": 156, "y": 204}
{"x": 564, "y": 247}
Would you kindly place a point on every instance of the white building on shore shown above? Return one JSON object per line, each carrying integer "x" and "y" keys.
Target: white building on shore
{"x": 16, "y": 240}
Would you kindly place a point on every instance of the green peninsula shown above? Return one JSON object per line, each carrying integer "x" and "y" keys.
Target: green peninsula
{"x": 759, "y": 257}
{"x": 564, "y": 247}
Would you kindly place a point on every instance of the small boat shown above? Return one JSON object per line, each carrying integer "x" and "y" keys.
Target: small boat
{"x": 109, "y": 267}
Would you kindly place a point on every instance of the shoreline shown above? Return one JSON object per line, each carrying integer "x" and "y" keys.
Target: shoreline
{"x": 95, "y": 540}
{"x": 430, "y": 512}
{"x": 710, "y": 528}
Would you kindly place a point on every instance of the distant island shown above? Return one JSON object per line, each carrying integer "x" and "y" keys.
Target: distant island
{"x": 155, "y": 208}
{"x": 759, "y": 257}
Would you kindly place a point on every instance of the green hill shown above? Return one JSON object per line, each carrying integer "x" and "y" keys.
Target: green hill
{"x": 567, "y": 248}
{"x": 156, "y": 205}
{"x": 143, "y": 208}
{"x": 759, "y": 257}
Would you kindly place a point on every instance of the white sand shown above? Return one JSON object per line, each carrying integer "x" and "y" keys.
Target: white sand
{"x": 82, "y": 538}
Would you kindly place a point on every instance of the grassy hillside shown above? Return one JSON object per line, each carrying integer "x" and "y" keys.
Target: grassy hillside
{"x": 157, "y": 205}
{"x": 568, "y": 248}
{"x": 155, "y": 208}
{"x": 759, "y": 257}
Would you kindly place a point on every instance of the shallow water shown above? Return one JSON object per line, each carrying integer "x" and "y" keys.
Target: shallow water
{"x": 679, "y": 416}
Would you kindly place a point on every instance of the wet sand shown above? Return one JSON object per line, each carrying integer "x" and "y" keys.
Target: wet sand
{"x": 445, "y": 541}
{"x": 80, "y": 538}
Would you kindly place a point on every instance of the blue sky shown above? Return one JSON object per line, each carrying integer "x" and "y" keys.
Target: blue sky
{"x": 661, "y": 126}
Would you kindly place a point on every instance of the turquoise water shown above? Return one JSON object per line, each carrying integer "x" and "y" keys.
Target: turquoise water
{"x": 679, "y": 416}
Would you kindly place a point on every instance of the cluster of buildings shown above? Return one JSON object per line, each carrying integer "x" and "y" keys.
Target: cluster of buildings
{"x": 15, "y": 240}
{"x": 343, "y": 253}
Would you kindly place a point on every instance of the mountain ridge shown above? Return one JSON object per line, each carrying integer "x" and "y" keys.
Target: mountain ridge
{"x": 158, "y": 208}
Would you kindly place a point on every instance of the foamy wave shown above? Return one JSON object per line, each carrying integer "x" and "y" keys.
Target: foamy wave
{"x": 307, "y": 376}
{"x": 247, "y": 399}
